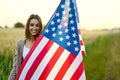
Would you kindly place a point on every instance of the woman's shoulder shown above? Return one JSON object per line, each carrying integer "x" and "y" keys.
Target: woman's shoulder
{"x": 21, "y": 41}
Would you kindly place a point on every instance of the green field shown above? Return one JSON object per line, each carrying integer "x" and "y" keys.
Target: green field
{"x": 102, "y": 48}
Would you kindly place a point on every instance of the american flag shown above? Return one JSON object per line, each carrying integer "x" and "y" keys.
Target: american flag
{"x": 57, "y": 53}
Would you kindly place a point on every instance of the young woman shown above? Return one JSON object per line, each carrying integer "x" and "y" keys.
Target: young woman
{"x": 32, "y": 31}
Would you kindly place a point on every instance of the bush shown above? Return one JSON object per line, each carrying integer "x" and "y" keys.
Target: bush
{"x": 19, "y": 25}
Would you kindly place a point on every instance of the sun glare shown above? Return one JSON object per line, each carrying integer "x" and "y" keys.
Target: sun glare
{"x": 92, "y": 15}
{"x": 90, "y": 28}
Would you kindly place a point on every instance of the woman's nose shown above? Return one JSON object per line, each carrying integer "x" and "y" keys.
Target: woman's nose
{"x": 34, "y": 27}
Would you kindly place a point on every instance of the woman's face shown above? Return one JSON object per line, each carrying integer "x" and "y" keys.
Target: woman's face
{"x": 34, "y": 27}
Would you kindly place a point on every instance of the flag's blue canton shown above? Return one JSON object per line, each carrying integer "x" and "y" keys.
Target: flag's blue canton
{"x": 62, "y": 27}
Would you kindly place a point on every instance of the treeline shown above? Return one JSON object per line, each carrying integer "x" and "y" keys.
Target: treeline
{"x": 16, "y": 25}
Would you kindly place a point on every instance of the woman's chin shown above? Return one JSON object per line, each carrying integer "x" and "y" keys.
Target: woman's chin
{"x": 34, "y": 34}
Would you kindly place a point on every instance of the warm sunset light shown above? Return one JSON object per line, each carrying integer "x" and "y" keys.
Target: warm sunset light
{"x": 94, "y": 14}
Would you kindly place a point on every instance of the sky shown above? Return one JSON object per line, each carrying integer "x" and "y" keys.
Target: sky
{"x": 94, "y": 14}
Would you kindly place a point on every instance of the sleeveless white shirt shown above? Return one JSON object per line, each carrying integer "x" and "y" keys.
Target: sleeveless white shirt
{"x": 25, "y": 51}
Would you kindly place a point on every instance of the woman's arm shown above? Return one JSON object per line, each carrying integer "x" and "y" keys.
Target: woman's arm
{"x": 14, "y": 71}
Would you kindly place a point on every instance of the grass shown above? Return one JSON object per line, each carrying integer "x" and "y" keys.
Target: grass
{"x": 114, "y": 63}
{"x": 8, "y": 38}
{"x": 97, "y": 57}
{"x": 101, "y": 63}
{"x": 103, "y": 59}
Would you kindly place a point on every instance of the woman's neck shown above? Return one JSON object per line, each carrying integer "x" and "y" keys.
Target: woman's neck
{"x": 33, "y": 38}
{"x": 29, "y": 43}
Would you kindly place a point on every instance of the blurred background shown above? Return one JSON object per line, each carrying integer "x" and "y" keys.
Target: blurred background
{"x": 100, "y": 26}
{"x": 94, "y": 14}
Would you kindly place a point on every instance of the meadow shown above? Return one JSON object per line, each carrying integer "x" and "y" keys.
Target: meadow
{"x": 102, "y": 48}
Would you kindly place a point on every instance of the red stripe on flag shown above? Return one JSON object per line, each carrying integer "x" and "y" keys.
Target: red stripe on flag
{"x": 51, "y": 63}
{"x": 28, "y": 56}
{"x": 38, "y": 60}
{"x": 79, "y": 31}
{"x": 78, "y": 72}
{"x": 83, "y": 53}
{"x": 65, "y": 67}
{"x": 81, "y": 43}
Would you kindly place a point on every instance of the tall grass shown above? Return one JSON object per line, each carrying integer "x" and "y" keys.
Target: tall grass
{"x": 8, "y": 38}
{"x": 97, "y": 58}
{"x": 114, "y": 60}
{"x": 103, "y": 59}
{"x": 90, "y": 36}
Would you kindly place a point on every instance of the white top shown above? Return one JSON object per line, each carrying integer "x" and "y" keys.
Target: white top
{"x": 25, "y": 51}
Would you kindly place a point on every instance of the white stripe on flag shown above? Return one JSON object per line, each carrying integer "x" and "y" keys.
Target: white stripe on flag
{"x": 83, "y": 76}
{"x": 44, "y": 62}
{"x": 58, "y": 65}
{"x": 75, "y": 64}
{"x": 80, "y": 37}
{"x": 32, "y": 57}
{"x": 82, "y": 48}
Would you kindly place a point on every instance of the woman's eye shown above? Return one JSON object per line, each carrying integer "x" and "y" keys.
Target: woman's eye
{"x": 31, "y": 24}
{"x": 37, "y": 25}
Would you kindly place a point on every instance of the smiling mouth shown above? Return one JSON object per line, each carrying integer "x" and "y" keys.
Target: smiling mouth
{"x": 34, "y": 31}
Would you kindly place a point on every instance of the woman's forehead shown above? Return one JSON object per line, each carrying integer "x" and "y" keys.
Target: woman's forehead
{"x": 33, "y": 21}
